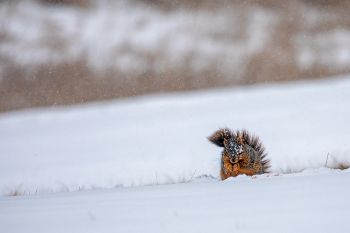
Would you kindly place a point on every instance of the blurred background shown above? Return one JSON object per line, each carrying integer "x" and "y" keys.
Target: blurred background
{"x": 58, "y": 52}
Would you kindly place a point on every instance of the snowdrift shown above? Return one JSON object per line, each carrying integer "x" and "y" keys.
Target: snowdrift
{"x": 312, "y": 201}
{"x": 162, "y": 139}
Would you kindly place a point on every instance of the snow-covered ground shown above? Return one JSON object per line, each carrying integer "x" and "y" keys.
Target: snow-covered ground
{"x": 162, "y": 139}
{"x": 313, "y": 201}
{"x": 102, "y": 149}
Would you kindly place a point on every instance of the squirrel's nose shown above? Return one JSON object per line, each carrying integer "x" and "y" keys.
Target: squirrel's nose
{"x": 232, "y": 160}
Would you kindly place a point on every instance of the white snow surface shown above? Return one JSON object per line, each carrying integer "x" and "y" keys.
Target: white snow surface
{"x": 148, "y": 141}
{"x": 161, "y": 139}
{"x": 312, "y": 201}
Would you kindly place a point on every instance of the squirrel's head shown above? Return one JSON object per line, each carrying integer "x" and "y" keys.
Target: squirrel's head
{"x": 226, "y": 139}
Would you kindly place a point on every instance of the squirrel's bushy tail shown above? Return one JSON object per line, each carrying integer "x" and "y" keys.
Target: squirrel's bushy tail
{"x": 218, "y": 137}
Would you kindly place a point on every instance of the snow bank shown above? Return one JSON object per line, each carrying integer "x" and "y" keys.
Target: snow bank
{"x": 162, "y": 139}
{"x": 313, "y": 201}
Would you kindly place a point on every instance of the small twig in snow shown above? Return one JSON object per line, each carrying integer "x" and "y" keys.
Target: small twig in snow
{"x": 326, "y": 160}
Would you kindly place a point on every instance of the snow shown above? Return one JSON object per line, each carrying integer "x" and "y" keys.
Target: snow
{"x": 144, "y": 164}
{"x": 312, "y": 201}
{"x": 162, "y": 139}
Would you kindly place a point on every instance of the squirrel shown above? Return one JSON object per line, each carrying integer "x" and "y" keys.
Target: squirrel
{"x": 243, "y": 153}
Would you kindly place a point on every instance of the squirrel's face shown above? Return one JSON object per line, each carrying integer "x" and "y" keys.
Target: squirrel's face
{"x": 232, "y": 148}
{"x": 233, "y": 145}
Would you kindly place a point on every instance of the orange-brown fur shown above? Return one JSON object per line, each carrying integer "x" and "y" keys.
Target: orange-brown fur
{"x": 249, "y": 161}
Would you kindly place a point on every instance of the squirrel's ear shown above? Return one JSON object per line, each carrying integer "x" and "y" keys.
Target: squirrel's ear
{"x": 218, "y": 137}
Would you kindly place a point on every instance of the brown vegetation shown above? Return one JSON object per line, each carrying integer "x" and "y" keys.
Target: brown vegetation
{"x": 75, "y": 81}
